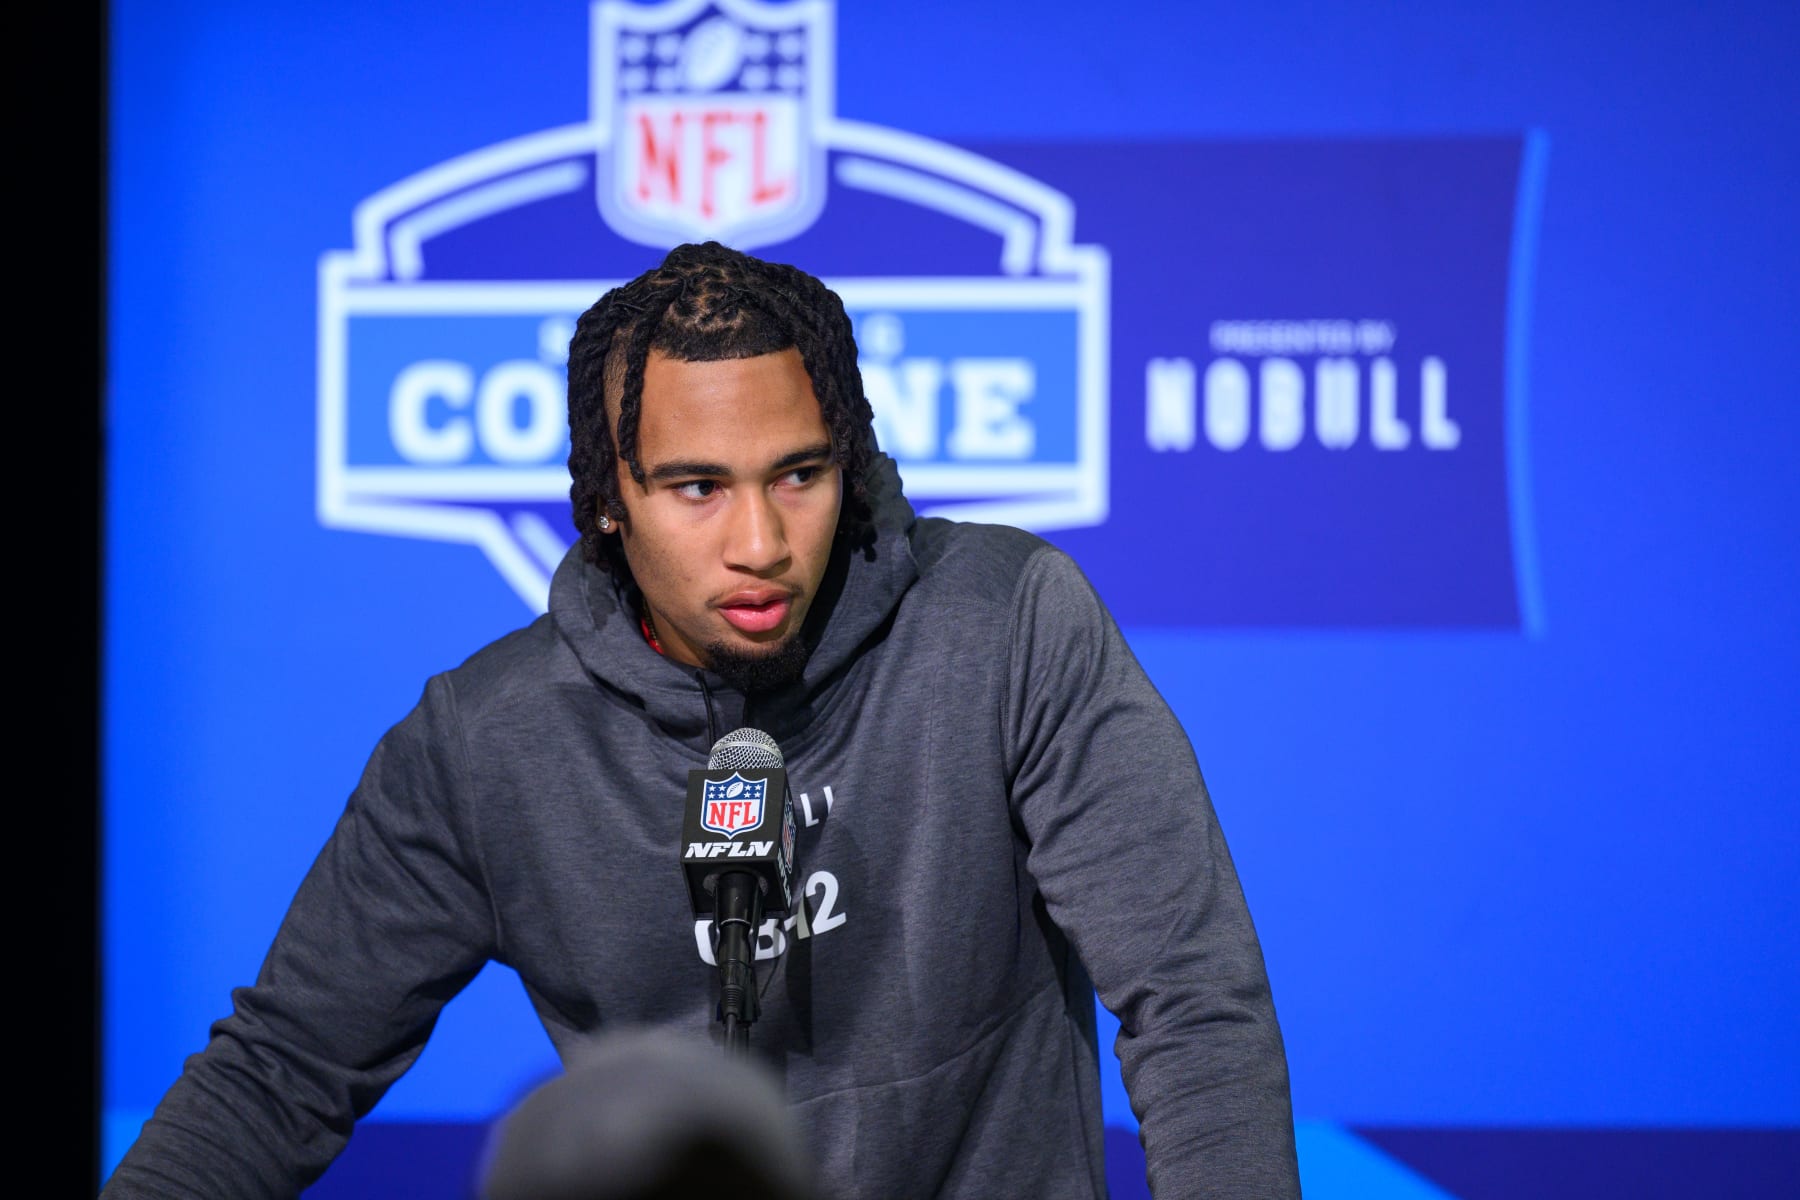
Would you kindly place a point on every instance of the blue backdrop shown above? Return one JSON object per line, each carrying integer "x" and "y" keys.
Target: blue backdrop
{"x": 1500, "y": 725}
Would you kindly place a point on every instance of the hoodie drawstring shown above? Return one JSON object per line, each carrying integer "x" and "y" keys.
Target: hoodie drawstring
{"x": 712, "y": 720}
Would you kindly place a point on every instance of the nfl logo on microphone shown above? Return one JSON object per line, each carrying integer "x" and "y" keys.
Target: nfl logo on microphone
{"x": 732, "y": 805}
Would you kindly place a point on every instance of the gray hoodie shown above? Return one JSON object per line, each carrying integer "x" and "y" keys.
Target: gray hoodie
{"x": 994, "y": 805}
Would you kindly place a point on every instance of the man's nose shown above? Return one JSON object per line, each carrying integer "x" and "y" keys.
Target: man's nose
{"x": 758, "y": 540}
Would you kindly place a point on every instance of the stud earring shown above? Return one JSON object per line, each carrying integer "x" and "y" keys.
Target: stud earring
{"x": 605, "y": 523}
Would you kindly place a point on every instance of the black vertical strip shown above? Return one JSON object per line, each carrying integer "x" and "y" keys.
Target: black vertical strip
{"x": 54, "y": 357}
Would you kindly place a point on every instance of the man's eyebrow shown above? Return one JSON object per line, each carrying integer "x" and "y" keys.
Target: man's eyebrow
{"x": 809, "y": 454}
{"x": 663, "y": 472}
{"x": 687, "y": 469}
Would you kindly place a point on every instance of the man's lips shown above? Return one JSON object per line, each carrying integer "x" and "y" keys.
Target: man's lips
{"x": 756, "y": 612}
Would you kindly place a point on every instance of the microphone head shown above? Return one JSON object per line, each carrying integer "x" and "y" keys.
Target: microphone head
{"x": 745, "y": 749}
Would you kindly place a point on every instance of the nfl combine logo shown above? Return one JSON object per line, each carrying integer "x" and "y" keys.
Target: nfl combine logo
{"x": 730, "y": 806}
{"x": 443, "y": 335}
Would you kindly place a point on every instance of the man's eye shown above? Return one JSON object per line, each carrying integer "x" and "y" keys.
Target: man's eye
{"x": 697, "y": 489}
{"x": 801, "y": 476}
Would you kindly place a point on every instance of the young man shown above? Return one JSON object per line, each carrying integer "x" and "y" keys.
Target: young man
{"x": 997, "y": 807}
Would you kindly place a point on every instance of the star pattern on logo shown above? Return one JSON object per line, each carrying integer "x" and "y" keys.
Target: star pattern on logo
{"x": 748, "y": 789}
{"x": 766, "y": 62}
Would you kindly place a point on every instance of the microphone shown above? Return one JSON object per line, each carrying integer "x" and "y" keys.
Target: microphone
{"x": 738, "y": 855}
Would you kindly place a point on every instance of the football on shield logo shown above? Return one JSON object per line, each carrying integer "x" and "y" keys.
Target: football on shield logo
{"x": 730, "y": 806}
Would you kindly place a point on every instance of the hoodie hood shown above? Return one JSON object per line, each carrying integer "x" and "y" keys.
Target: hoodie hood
{"x": 859, "y": 592}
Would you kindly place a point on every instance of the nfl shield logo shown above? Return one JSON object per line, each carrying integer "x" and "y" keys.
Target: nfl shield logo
{"x": 730, "y": 806}
{"x": 711, "y": 112}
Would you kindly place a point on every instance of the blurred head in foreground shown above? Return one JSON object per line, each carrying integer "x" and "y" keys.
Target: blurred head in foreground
{"x": 648, "y": 1116}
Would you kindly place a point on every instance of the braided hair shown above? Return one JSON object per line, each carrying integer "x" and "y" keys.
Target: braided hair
{"x": 706, "y": 303}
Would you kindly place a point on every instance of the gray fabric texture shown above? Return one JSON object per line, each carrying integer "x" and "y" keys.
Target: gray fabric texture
{"x": 994, "y": 806}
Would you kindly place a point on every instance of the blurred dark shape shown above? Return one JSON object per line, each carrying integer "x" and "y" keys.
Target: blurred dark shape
{"x": 648, "y": 1116}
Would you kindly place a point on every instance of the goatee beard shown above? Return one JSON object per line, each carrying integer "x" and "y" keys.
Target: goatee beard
{"x": 759, "y": 670}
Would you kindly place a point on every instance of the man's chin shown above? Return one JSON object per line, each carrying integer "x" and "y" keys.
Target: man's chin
{"x": 750, "y": 667}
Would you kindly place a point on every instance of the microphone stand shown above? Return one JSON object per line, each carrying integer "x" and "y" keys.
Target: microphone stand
{"x": 736, "y": 918}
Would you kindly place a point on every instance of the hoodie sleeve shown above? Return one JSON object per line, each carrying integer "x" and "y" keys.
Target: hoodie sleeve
{"x": 1132, "y": 866}
{"x": 391, "y": 922}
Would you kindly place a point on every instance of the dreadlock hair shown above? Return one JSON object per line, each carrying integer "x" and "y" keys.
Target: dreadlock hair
{"x": 706, "y": 303}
